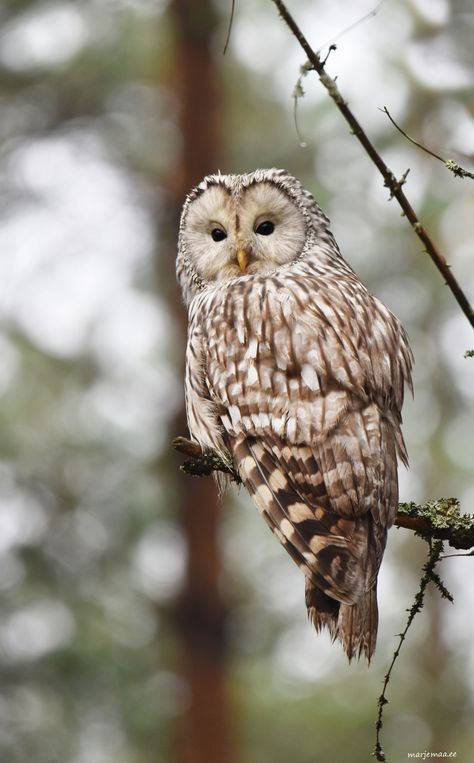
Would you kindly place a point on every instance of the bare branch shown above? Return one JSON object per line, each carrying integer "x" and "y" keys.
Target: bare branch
{"x": 390, "y": 181}
{"x": 229, "y": 28}
{"x": 412, "y": 140}
{"x": 451, "y": 165}
{"x": 451, "y": 556}
{"x": 352, "y": 26}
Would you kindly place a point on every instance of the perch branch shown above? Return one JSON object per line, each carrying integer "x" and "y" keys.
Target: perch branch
{"x": 390, "y": 181}
{"x": 441, "y": 519}
{"x": 438, "y": 520}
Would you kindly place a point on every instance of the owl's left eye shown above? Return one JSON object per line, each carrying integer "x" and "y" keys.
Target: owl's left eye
{"x": 265, "y": 228}
{"x": 218, "y": 234}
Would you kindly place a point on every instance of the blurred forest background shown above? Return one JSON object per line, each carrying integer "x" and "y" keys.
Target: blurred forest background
{"x": 139, "y": 622}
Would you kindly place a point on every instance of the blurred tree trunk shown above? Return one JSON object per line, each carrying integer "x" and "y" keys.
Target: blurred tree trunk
{"x": 203, "y": 735}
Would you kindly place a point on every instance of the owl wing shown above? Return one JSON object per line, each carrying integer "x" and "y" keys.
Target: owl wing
{"x": 339, "y": 556}
{"x": 307, "y": 395}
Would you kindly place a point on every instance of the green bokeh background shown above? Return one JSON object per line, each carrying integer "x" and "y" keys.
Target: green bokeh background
{"x": 91, "y": 552}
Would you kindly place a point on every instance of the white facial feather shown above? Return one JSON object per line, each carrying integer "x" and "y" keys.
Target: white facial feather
{"x": 214, "y": 208}
{"x": 238, "y": 215}
{"x": 264, "y": 201}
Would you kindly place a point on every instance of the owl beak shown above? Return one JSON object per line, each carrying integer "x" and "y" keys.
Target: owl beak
{"x": 243, "y": 260}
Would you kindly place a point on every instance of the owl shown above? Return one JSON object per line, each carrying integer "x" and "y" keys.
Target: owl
{"x": 296, "y": 374}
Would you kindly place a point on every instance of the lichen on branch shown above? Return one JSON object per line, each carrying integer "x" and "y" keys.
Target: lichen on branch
{"x": 441, "y": 519}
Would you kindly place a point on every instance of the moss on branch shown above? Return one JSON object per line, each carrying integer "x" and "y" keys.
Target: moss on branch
{"x": 441, "y": 519}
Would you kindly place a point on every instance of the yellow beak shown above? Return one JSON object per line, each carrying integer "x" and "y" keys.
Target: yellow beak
{"x": 243, "y": 260}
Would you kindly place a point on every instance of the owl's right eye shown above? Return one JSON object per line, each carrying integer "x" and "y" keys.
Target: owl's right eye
{"x": 218, "y": 234}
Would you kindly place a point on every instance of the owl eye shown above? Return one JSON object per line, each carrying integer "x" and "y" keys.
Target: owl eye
{"x": 218, "y": 234}
{"x": 265, "y": 228}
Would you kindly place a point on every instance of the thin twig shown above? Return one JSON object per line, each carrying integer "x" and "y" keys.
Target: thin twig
{"x": 229, "y": 28}
{"x": 434, "y": 556}
{"x": 412, "y": 140}
{"x": 453, "y": 166}
{"x": 353, "y": 26}
{"x": 450, "y": 556}
{"x": 394, "y": 185}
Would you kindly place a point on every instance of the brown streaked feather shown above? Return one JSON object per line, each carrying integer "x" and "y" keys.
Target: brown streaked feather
{"x": 333, "y": 551}
{"x": 355, "y": 625}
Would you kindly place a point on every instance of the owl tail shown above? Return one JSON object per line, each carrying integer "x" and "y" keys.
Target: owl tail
{"x": 355, "y": 625}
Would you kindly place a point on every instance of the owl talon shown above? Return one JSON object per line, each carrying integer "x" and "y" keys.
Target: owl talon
{"x": 203, "y": 464}
{"x": 196, "y": 467}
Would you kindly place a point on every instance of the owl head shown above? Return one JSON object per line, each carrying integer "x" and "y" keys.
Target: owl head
{"x": 235, "y": 226}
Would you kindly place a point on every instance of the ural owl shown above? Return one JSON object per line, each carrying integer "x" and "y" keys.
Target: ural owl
{"x": 296, "y": 373}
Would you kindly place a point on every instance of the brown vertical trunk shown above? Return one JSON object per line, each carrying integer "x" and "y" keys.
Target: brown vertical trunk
{"x": 203, "y": 733}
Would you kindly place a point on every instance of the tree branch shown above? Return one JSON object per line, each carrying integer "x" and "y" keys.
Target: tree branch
{"x": 437, "y": 520}
{"x": 390, "y": 181}
{"x": 441, "y": 519}
{"x": 450, "y": 164}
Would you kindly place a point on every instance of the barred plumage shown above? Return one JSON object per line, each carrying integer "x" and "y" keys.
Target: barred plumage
{"x": 298, "y": 373}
